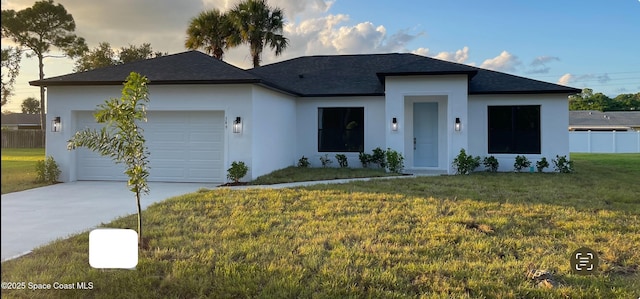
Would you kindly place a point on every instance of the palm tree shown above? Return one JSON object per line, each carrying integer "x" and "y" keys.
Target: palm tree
{"x": 258, "y": 25}
{"x": 209, "y": 31}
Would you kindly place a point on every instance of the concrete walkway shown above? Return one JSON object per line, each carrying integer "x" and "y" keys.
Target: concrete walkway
{"x": 310, "y": 183}
{"x": 36, "y": 217}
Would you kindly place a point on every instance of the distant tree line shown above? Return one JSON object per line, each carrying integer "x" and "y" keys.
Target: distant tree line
{"x": 587, "y": 100}
{"x": 103, "y": 55}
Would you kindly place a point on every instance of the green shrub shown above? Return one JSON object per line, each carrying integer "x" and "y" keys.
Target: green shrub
{"x": 379, "y": 157}
{"x": 237, "y": 171}
{"x": 562, "y": 165}
{"x": 542, "y": 164}
{"x": 395, "y": 161}
{"x": 365, "y": 159}
{"x": 325, "y": 160}
{"x": 491, "y": 163}
{"x": 303, "y": 162}
{"x": 342, "y": 160}
{"x": 465, "y": 164}
{"x": 47, "y": 171}
{"x": 521, "y": 163}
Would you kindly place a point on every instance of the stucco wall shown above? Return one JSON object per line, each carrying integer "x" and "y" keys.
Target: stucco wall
{"x": 274, "y": 126}
{"x": 64, "y": 101}
{"x": 449, "y": 91}
{"x": 554, "y": 121}
{"x": 307, "y": 126}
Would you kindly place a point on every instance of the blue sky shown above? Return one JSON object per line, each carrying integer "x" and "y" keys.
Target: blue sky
{"x": 592, "y": 40}
{"x": 582, "y": 44}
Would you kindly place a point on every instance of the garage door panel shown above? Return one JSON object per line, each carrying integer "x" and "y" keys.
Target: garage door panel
{"x": 168, "y": 137}
{"x": 213, "y": 156}
{"x": 167, "y": 155}
{"x": 183, "y": 147}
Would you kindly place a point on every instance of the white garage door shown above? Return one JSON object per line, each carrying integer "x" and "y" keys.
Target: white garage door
{"x": 183, "y": 147}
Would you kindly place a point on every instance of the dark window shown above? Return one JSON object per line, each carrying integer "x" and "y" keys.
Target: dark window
{"x": 340, "y": 129}
{"x": 514, "y": 129}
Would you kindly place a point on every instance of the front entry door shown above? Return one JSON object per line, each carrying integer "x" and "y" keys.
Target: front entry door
{"x": 425, "y": 134}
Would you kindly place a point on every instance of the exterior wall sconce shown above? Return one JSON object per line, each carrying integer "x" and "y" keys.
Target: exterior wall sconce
{"x": 237, "y": 125}
{"x": 56, "y": 126}
{"x": 394, "y": 124}
{"x": 458, "y": 125}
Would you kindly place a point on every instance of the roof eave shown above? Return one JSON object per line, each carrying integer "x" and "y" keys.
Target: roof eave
{"x": 151, "y": 82}
{"x": 332, "y": 95}
{"x": 568, "y": 92}
{"x": 383, "y": 75}
{"x": 277, "y": 88}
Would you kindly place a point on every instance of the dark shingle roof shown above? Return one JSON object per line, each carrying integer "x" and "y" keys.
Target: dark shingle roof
{"x": 18, "y": 119}
{"x": 336, "y": 75}
{"x": 332, "y": 75}
{"x": 191, "y": 67}
{"x": 609, "y": 119}
{"x": 364, "y": 75}
{"x": 492, "y": 82}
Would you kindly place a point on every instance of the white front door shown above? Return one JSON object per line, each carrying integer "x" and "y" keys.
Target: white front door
{"x": 425, "y": 134}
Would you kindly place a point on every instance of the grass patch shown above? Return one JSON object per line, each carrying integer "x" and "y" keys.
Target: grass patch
{"x": 600, "y": 182}
{"x": 19, "y": 168}
{"x": 303, "y": 174}
{"x": 431, "y": 237}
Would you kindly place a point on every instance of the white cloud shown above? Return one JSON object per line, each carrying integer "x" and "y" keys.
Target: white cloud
{"x": 566, "y": 79}
{"x": 459, "y": 56}
{"x": 570, "y": 78}
{"x": 505, "y": 62}
{"x": 292, "y": 9}
{"x": 360, "y": 38}
{"x": 421, "y": 51}
{"x": 331, "y": 34}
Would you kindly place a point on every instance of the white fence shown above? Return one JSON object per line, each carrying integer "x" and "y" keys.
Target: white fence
{"x": 604, "y": 142}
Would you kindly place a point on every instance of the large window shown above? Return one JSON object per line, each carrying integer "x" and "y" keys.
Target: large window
{"x": 341, "y": 129}
{"x": 514, "y": 129}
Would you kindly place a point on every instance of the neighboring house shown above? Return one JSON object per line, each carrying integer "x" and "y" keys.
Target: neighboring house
{"x": 587, "y": 120}
{"x": 204, "y": 114}
{"x": 20, "y": 121}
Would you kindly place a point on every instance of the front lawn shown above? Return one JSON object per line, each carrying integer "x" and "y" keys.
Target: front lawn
{"x": 469, "y": 236}
{"x": 19, "y": 168}
{"x": 302, "y": 174}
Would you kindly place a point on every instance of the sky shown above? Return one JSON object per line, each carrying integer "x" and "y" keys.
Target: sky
{"x": 583, "y": 44}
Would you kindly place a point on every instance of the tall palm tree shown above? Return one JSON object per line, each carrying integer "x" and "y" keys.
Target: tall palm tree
{"x": 209, "y": 31}
{"x": 258, "y": 25}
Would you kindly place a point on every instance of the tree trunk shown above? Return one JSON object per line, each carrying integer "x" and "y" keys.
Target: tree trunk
{"x": 140, "y": 245}
{"x": 42, "y": 112}
{"x": 255, "y": 54}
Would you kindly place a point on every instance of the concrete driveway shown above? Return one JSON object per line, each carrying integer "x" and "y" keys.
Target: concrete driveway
{"x": 36, "y": 217}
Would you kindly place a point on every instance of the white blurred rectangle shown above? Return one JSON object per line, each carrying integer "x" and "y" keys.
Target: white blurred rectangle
{"x": 111, "y": 248}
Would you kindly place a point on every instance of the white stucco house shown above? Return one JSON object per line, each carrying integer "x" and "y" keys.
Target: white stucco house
{"x": 204, "y": 114}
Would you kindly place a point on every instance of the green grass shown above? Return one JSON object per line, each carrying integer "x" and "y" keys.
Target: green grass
{"x": 600, "y": 181}
{"x": 18, "y": 168}
{"x": 431, "y": 237}
{"x": 301, "y": 174}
